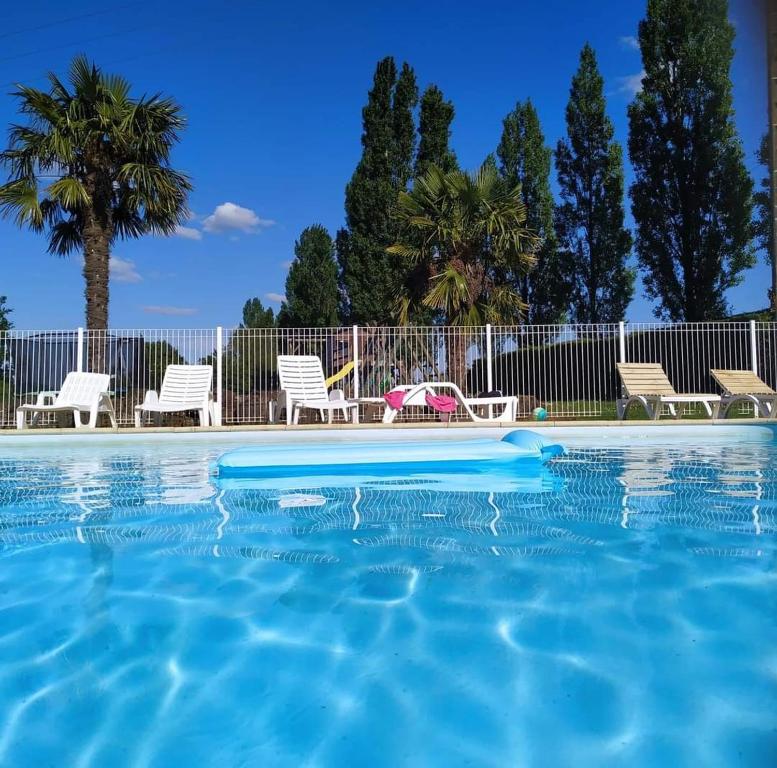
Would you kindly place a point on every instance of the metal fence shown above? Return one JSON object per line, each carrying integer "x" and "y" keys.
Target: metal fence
{"x": 567, "y": 369}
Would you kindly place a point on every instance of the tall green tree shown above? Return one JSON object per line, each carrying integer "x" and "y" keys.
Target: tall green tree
{"x": 367, "y": 275}
{"x": 590, "y": 217}
{"x": 403, "y": 103}
{"x": 525, "y": 160}
{"x": 5, "y": 310}
{"x": 764, "y": 222}
{"x": 256, "y": 315}
{"x": 249, "y": 356}
{"x": 109, "y": 157}
{"x": 434, "y": 133}
{"x": 311, "y": 286}
{"x": 692, "y": 195}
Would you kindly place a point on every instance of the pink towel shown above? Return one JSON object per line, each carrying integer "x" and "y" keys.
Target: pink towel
{"x": 395, "y": 399}
{"x": 441, "y": 403}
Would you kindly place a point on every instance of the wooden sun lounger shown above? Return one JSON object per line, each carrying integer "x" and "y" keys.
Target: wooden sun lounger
{"x": 745, "y": 386}
{"x": 647, "y": 384}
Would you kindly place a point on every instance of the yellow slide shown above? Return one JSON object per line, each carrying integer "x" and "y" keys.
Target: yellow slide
{"x": 341, "y": 374}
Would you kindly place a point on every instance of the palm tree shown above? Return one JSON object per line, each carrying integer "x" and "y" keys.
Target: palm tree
{"x": 90, "y": 166}
{"x": 466, "y": 241}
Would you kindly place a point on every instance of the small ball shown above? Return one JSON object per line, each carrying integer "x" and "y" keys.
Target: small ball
{"x": 540, "y": 414}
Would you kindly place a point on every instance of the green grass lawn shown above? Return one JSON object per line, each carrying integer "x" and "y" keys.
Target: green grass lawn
{"x": 607, "y": 412}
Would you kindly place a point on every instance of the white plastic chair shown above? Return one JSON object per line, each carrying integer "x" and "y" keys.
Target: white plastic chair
{"x": 303, "y": 386}
{"x": 80, "y": 393}
{"x": 184, "y": 388}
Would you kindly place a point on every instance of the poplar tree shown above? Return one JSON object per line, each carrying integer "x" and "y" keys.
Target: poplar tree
{"x": 691, "y": 198}
{"x": 524, "y": 160}
{"x": 404, "y": 101}
{"x": 311, "y": 286}
{"x": 368, "y": 276}
{"x": 255, "y": 315}
{"x": 590, "y": 218}
{"x": 434, "y": 132}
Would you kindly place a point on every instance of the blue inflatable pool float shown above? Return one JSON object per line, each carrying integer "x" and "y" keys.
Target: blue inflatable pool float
{"x": 519, "y": 446}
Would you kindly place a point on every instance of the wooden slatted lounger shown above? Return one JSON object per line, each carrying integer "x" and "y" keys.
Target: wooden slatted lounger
{"x": 745, "y": 386}
{"x": 647, "y": 384}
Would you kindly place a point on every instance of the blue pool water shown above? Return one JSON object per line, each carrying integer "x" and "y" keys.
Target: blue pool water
{"x": 616, "y": 608}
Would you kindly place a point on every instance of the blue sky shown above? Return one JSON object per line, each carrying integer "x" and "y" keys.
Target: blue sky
{"x": 273, "y": 94}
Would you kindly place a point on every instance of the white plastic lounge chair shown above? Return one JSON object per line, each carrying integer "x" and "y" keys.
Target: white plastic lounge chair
{"x": 647, "y": 384}
{"x": 745, "y": 386}
{"x": 416, "y": 395}
{"x": 184, "y": 388}
{"x": 303, "y": 386}
{"x": 80, "y": 392}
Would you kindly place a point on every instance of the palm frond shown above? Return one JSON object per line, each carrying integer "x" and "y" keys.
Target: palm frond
{"x": 448, "y": 292}
{"x": 66, "y": 237}
{"x": 19, "y": 200}
{"x": 70, "y": 193}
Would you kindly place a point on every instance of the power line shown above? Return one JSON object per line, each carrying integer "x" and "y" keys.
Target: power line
{"x": 77, "y": 43}
{"x": 67, "y": 20}
{"x": 206, "y": 36}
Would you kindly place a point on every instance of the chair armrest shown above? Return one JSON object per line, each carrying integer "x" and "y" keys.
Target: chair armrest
{"x": 47, "y": 397}
{"x": 151, "y": 398}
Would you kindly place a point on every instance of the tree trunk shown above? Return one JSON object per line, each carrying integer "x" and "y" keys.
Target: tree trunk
{"x": 97, "y": 235}
{"x": 96, "y": 274}
{"x": 458, "y": 341}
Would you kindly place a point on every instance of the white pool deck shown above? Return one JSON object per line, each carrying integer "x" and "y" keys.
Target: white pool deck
{"x": 569, "y": 433}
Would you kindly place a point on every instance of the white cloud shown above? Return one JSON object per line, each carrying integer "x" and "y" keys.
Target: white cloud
{"x": 188, "y": 233}
{"x": 631, "y": 84}
{"x": 229, "y": 217}
{"x": 124, "y": 270}
{"x": 629, "y": 41}
{"x": 155, "y": 309}
{"x": 279, "y": 297}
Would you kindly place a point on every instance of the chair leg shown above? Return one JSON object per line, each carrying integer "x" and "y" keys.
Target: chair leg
{"x": 652, "y": 408}
{"x": 93, "y": 414}
{"x": 21, "y": 419}
{"x": 203, "y": 412}
{"x": 138, "y": 419}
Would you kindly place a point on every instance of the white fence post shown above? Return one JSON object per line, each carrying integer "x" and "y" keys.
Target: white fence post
{"x": 356, "y": 361}
{"x": 217, "y": 414}
{"x": 753, "y": 347}
{"x": 489, "y": 360}
{"x": 622, "y": 341}
{"x": 80, "y": 351}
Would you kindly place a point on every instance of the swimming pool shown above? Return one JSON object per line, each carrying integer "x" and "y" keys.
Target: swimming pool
{"x": 615, "y": 608}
